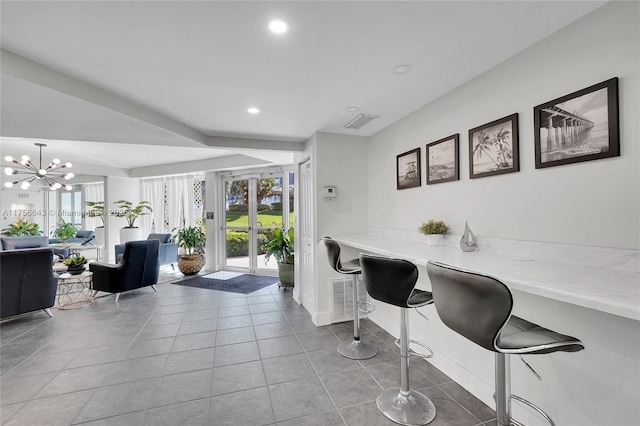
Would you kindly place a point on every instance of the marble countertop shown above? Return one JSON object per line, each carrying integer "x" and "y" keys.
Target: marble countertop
{"x": 606, "y": 290}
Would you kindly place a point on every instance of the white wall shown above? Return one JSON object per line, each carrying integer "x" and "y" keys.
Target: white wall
{"x": 590, "y": 203}
{"x": 117, "y": 188}
{"x": 340, "y": 161}
{"x": 31, "y": 201}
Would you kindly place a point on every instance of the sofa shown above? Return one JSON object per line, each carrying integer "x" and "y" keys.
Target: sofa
{"x": 83, "y": 237}
{"x": 139, "y": 267}
{"x": 23, "y": 242}
{"x": 167, "y": 253}
{"x": 27, "y": 281}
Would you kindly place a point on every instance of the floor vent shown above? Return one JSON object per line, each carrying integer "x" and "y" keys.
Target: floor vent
{"x": 342, "y": 298}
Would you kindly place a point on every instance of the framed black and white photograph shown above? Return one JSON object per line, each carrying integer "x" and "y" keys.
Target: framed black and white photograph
{"x": 408, "y": 169}
{"x": 578, "y": 127}
{"x": 442, "y": 160}
{"x": 493, "y": 148}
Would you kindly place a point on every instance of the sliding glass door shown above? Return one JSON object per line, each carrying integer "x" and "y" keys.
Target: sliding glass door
{"x": 254, "y": 206}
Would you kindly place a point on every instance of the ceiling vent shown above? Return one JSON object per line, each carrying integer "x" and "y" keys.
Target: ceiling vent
{"x": 360, "y": 121}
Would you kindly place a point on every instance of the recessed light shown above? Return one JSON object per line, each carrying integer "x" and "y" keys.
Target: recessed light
{"x": 278, "y": 26}
{"x": 253, "y": 110}
{"x": 401, "y": 69}
{"x": 353, "y": 108}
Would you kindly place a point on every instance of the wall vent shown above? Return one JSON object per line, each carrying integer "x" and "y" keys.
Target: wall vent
{"x": 360, "y": 121}
{"x": 23, "y": 195}
{"x": 342, "y": 298}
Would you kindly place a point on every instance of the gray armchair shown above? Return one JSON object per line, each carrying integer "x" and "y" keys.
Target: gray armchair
{"x": 167, "y": 253}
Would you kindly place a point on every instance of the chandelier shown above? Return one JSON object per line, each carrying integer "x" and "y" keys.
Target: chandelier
{"x": 50, "y": 174}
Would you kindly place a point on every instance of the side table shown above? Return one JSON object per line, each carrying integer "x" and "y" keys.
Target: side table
{"x": 75, "y": 291}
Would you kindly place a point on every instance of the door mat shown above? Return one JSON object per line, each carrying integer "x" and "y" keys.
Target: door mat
{"x": 244, "y": 283}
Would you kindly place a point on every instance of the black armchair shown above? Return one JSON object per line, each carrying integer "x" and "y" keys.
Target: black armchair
{"x": 27, "y": 281}
{"x": 138, "y": 268}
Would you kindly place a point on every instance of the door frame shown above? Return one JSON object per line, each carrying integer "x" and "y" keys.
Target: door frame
{"x": 249, "y": 174}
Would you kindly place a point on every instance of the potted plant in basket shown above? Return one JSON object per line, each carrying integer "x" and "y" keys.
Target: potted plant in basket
{"x": 190, "y": 238}
{"x": 130, "y": 212}
{"x": 281, "y": 247}
{"x": 434, "y": 230}
{"x": 96, "y": 209}
{"x": 75, "y": 264}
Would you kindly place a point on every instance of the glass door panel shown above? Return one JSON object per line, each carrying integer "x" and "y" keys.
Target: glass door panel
{"x": 236, "y": 225}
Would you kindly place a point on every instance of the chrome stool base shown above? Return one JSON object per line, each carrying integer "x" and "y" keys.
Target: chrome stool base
{"x": 406, "y": 408}
{"x": 357, "y": 349}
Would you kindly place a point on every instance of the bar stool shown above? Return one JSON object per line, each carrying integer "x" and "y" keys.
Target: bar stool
{"x": 393, "y": 281}
{"x": 478, "y": 307}
{"x": 356, "y": 349}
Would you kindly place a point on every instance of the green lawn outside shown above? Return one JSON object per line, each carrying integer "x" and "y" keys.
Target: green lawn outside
{"x": 265, "y": 218}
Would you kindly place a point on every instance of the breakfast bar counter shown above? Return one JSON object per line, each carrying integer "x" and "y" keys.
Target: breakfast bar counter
{"x": 592, "y": 293}
{"x": 600, "y": 288}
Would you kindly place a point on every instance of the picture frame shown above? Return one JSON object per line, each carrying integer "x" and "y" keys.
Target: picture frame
{"x": 577, "y": 127}
{"x": 408, "y": 169}
{"x": 443, "y": 157}
{"x": 493, "y": 148}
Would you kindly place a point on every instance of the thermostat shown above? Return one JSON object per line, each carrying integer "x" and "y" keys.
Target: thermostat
{"x": 329, "y": 192}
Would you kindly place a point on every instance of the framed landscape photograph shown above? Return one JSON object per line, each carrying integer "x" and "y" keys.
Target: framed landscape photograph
{"x": 493, "y": 148}
{"x": 578, "y": 127}
{"x": 408, "y": 169}
{"x": 442, "y": 160}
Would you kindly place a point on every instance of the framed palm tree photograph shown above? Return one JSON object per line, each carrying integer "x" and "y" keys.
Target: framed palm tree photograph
{"x": 408, "y": 169}
{"x": 493, "y": 148}
{"x": 442, "y": 160}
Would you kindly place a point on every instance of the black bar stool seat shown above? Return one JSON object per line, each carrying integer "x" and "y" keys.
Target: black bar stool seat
{"x": 393, "y": 281}
{"x": 478, "y": 307}
{"x": 356, "y": 349}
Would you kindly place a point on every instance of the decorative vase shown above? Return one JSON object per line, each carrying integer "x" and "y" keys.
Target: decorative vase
{"x": 130, "y": 234}
{"x": 190, "y": 265}
{"x": 434, "y": 240}
{"x": 286, "y": 274}
{"x": 99, "y": 236}
{"x": 75, "y": 270}
{"x": 468, "y": 242}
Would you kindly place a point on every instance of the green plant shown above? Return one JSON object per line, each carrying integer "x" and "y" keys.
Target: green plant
{"x": 434, "y": 227}
{"x": 76, "y": 261}
{"x": 131, "y": 213}
{"x": 96, "y": 209}
{"x": 21, "y": 227}
{"x": 65, "y": 230}
{"x": 280, "y": 246}
{"x": 189, "y": 238}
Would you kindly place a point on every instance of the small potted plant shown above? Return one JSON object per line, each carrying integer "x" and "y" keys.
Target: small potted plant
{"x": 281, "y": 247}
{"x": 191, "y": 239}
{"x": 435, "y": 231}
{"x": 130, "y": 212}
{"x": 75, "y": 264}
{"x": 64, "y": 231}
{"x": 96, "y": 209}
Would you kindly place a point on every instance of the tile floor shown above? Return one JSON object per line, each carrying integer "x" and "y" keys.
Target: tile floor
{"x": 201, "y": 357}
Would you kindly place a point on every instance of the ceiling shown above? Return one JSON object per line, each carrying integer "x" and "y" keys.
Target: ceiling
{"x": 123, "y": 87}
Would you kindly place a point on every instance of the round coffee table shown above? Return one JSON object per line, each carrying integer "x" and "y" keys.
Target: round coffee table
{"x": 75, "y": 291}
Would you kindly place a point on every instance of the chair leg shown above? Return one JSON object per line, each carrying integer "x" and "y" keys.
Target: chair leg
{"x": 173, "y": 268}
{"x": 356, "y": 349}
{"x": 48, "y": 312}
{"x": 153, "y": 286}
{"x": 403, "y": 405}
{"x": 503, "y": 389}
{"x": 117, "y": 297}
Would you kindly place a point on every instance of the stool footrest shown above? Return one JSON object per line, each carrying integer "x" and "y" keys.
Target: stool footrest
{"x": 414, "y": 353}
{"x": 369, "y": 307}
{"x": 529, "y": 404}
